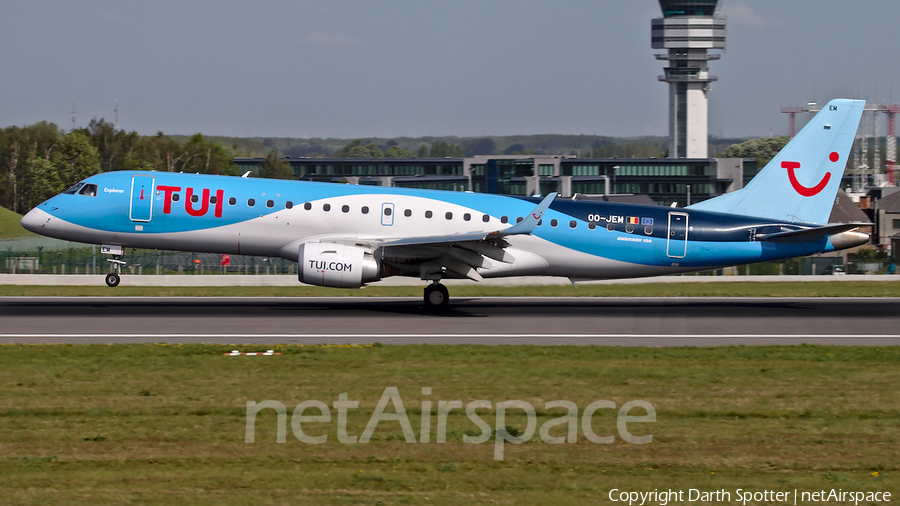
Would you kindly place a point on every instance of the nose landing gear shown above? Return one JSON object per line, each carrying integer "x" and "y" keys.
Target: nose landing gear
{"x": 437, "y": 298}
{"x": 116, "y": 263}
{"x": 113, "y": 278}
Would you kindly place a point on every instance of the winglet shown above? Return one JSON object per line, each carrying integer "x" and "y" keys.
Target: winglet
{"x": 527, "y": 225}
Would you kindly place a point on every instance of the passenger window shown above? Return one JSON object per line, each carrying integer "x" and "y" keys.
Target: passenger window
{"x": 251, "y": 202}
{"x": 519, "y": 219}
{"x": 288, "y": 204}
{"x": 540, "y": 222}
{"x": 592, "y": 225}
{"x": 428, "y": 214}
{"x": 610, "y": 226}
{"x": 407, "y": 213}
{"x": 467, "y": 217}
{"x": 485, "y": 218}
{"x": 554, "y": 223}
{"x": 573, "y": 224}
{"x": 365, "y": 209}
{"x": 213, "y": 199}
{"x": 89, "y": 189}
{"x": 270, "y": 204}
{"x": 449, "y": 216}
{"x": 307, "y": 206}
{"x": 194, "y": 198}
{"x": 629, "y": 228}
{"x": 388, "y": 211}
{"x": 345, "y": 209}
{"x": 504, "y": 219}
{"x": 326, "y": 207}
{"x": 232, "y": 201}
{"x": 648, "y": 229}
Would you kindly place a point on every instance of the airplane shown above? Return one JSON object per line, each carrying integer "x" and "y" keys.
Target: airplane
{"x": 347, "y": 236}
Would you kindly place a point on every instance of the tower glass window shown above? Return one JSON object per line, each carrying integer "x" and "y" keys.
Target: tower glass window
{"x": 688, "y": 7}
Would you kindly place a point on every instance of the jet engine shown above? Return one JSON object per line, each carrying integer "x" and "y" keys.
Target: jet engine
{"x": 336, "y": 265}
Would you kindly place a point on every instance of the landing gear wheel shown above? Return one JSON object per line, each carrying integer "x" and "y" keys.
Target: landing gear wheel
{"x": 115, "y": 264}
{"x": 112, "y": 280}
{"x": 436, "y": 297}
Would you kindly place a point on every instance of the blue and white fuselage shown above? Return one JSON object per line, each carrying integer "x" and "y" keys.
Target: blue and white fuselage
{"x": 374, "y": 232}
{"x": 272, "y": 218}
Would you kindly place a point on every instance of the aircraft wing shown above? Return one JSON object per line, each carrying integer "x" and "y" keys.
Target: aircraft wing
{"x": 526, "y": 226}
{"x": 438, "y": 239}
{"x": 463, "y": 253}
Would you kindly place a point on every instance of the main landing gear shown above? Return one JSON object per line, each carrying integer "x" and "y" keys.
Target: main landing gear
{"x": 113, "y": 278}
{"x": 436, "y": 297}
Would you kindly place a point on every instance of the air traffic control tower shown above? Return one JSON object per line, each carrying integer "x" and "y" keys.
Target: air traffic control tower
{"x": 688, "y": 29}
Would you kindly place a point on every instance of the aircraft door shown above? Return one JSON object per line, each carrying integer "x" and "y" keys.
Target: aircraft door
{"x": 676, "y": 243}
{"x": 142, "y": 198}
{"x": 387, "y": 214}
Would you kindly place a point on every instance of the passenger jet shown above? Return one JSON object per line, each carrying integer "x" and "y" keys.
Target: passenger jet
{"x": 347, "y": 236}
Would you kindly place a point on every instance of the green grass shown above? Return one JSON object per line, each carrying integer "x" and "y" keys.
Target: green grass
{"x": 153, "y": 424}
{"x": 10, "y": 226}
{"x": 749, "y": 289}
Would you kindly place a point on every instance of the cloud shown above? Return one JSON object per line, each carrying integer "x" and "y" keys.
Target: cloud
{"x": 324, "y": 39}
{"x": 743, "y": 14}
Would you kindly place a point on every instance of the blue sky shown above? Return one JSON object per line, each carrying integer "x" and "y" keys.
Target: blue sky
{"x": 412, "y": 68}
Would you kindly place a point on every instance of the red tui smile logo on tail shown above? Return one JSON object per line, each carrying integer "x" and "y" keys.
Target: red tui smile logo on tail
{"x": 808, "y": 191}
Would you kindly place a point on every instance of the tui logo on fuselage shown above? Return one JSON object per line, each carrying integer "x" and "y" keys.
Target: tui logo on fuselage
{"x": 204, "y": 199}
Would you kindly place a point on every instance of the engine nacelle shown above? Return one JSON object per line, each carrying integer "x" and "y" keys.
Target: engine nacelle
{"x": 336, "y": 265}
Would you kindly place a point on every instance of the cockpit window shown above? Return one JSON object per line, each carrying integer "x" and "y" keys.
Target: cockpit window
{"x": 89, "y": 189}
{"x": 74, "y": 189}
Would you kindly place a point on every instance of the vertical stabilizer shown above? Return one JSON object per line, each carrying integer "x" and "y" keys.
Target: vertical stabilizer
{"x": 801, "y": 182}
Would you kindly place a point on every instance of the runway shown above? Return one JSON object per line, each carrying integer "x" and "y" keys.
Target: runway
{"x": 539, "y": 321}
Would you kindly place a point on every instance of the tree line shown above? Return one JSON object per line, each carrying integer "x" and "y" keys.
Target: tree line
{"x": 41, "y": 160}
{"x": 356, "y": 149}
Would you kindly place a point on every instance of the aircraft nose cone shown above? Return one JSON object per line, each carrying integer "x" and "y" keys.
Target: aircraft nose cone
{"x": 32, "y": 221}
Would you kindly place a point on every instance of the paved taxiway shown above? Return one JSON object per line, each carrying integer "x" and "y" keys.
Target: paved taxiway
{"x": 584, "y": 321}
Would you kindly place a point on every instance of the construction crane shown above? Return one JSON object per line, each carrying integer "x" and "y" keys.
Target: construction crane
{"x": 792, "y": 119}
{"x": 890, "y": 155}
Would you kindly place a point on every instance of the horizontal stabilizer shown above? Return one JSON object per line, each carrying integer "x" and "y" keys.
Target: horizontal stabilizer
{"x": 809, "y": 234}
